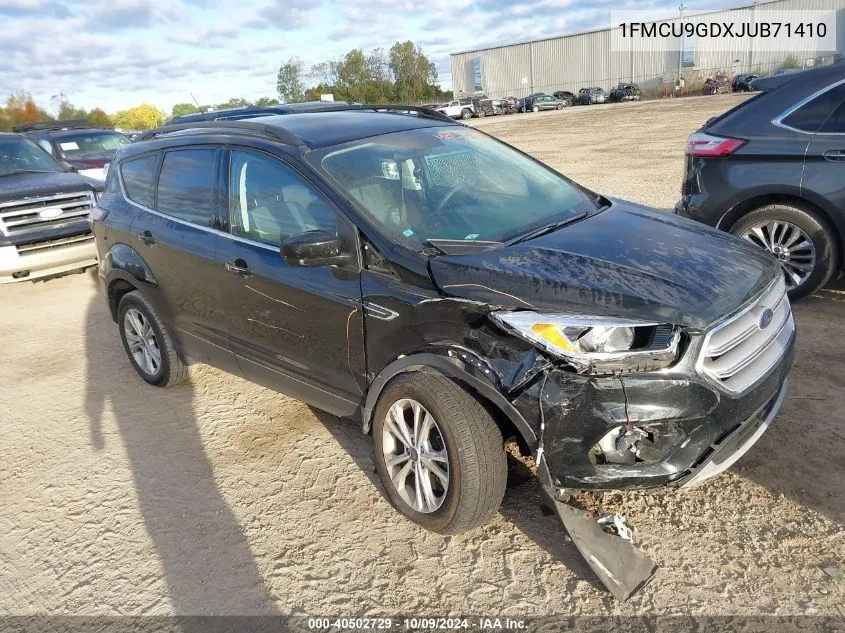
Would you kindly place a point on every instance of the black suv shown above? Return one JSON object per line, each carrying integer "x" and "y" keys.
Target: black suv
{"x": 77, "y": 145}
{"x": 44, "y": 229}
{"x": 772, "y": 171}
{"x": 446, "y": 291}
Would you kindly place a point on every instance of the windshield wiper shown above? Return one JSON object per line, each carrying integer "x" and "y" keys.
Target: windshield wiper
{"x": 27, "y": 171}
{"x": 462, "y": 247}
{"x": 548, "y": 228}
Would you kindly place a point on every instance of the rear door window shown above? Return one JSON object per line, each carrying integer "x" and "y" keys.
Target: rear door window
{"x": 186, "y": 186}
{"x": 139, "y": 176}
{"x": 810, "y": 116}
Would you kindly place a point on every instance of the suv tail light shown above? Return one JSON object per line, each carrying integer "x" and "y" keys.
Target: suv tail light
{"x": 701, "y": 144}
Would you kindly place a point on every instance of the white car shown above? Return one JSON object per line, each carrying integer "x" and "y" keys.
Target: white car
{"x": 458, "y": 109}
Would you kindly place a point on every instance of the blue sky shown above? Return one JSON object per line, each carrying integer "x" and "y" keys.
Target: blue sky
{"x": 118, "y": 53}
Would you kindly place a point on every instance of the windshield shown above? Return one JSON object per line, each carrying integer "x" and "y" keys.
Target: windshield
{"x": 450, "y": 183}
{"x": 87, "y": 144}
{"x": 18, "y": 154}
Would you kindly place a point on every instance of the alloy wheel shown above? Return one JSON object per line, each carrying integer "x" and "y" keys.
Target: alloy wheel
{"x": 415, "y": 455}
{"x": 142, "y": 342}
{"x": 789, "y": 244}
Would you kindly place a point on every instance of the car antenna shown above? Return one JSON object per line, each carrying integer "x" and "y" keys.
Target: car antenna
{"x": 199, "y": 107}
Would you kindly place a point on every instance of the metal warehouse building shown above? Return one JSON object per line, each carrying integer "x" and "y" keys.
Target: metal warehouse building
{"x": 572, "y": 62}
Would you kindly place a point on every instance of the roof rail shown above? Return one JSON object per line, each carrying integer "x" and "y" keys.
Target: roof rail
{"x": 52, "y": 125}
{"x": 392, "y": 107}
{"x": 255, "y": 127}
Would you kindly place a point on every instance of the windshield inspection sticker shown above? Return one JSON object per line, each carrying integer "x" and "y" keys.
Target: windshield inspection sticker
{"x": 472, "y": 236}
{"x": 407, "y": 232}
{"x": 71, "y": 145}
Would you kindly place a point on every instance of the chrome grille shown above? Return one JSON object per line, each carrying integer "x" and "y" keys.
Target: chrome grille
{"x": 740, "y": 351}
{"x": 22, "y": 216}
{"x": 49, "y": 245}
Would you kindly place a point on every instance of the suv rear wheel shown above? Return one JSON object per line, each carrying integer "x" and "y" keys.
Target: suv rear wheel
{"x": 148, "y": 343}
{"x": 799, "y": 239}
{"x": 439, "y": 454}
{"x": 466, "y": 113}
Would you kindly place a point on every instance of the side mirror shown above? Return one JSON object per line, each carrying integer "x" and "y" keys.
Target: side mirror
{"x": 67, "y": 165}
{"x": 313, "y": 248}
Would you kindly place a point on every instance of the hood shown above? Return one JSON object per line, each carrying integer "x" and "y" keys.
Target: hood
{"x": 19, "y": 186}
{"x": 626, "y": 261}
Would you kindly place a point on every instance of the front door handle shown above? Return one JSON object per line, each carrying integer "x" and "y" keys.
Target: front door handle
{"x": 238, "y": 267}
{"x": 147, "y": 238}
{"x": 835, "y": 154}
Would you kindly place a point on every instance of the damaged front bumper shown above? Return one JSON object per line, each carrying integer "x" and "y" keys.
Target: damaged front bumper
{"x": 695, "y": 430}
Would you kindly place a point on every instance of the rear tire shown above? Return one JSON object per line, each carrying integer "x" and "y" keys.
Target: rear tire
{"x": 155, "y": 358}
{"x": 777, "y": 226}
{"x": 466, "y": 114}
{"x": 476, "y": 466}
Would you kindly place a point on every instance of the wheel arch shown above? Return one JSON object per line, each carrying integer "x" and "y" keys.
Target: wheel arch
{"x": 507, "y": 418}
{"x": 124, "y": 270}
{"x": 735, "y": 213}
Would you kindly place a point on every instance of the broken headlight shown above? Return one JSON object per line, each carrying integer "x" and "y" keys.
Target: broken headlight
{"x": 597, "y": 345}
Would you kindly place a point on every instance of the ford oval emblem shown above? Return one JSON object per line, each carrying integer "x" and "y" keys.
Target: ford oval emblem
{"x": 50, "y": 213}
{"x": 765, "y": 319}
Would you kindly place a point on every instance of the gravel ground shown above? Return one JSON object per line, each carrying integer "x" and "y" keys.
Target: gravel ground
{"x": 219, "y": 496}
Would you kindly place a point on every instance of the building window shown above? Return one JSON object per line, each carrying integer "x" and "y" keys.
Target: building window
{"x": 688, "y": 52}
{"x": 476, "y": 73}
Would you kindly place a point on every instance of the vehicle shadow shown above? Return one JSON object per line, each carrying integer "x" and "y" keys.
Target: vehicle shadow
{"x": 205, "y": 560}
{"x": 521, "y": 506}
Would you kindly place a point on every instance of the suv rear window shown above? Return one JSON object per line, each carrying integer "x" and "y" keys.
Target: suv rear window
{"x": 139, "y": 176}
{"x": 186, "y": 185}
{"x": 836, "y": 123}
{"x": 810, "y": 116}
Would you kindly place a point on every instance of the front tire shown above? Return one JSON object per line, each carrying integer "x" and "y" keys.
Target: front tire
{"x": 439, "y": 454}
{"x": 535, "y": 109}
{"x": 801, "y": 241}
{"x": 148, "y": 343}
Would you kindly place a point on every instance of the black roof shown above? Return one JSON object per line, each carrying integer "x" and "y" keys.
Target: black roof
{"x": 52, "y": 125}
{"x": 312, "y": 130}
{"x": 247, "y": 112}
{"x": 810, "y": 77}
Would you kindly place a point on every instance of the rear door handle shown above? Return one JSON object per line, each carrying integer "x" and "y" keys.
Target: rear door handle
{"x": 147, "y": 238}
{"x": 835, "y": 154}
{"x": 238, "y": 267}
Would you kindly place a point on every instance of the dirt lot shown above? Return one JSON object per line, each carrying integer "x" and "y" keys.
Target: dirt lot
{"x": 221, "y": 496}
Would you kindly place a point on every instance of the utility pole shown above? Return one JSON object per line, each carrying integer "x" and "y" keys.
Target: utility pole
{"x": 681, "y": 52}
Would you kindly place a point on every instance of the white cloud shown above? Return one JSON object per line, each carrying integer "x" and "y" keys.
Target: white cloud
{"x": 116, "y": 53}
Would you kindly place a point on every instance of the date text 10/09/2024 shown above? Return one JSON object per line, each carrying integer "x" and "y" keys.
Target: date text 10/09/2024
{"x": 492, "y": 624}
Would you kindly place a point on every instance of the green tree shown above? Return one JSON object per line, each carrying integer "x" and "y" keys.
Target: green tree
{"x": 414, "y": 74}
{"x": 234, "y": 102}
{"x": 266, "y": 101}
{"x": 289, "y": 84}
{"x": 65, "y": 110}
{"x": 98, "y": 118}
{"x": 183, "y": 108}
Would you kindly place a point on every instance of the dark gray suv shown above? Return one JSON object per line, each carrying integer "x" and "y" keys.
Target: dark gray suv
{"x": 447, "y": 292}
